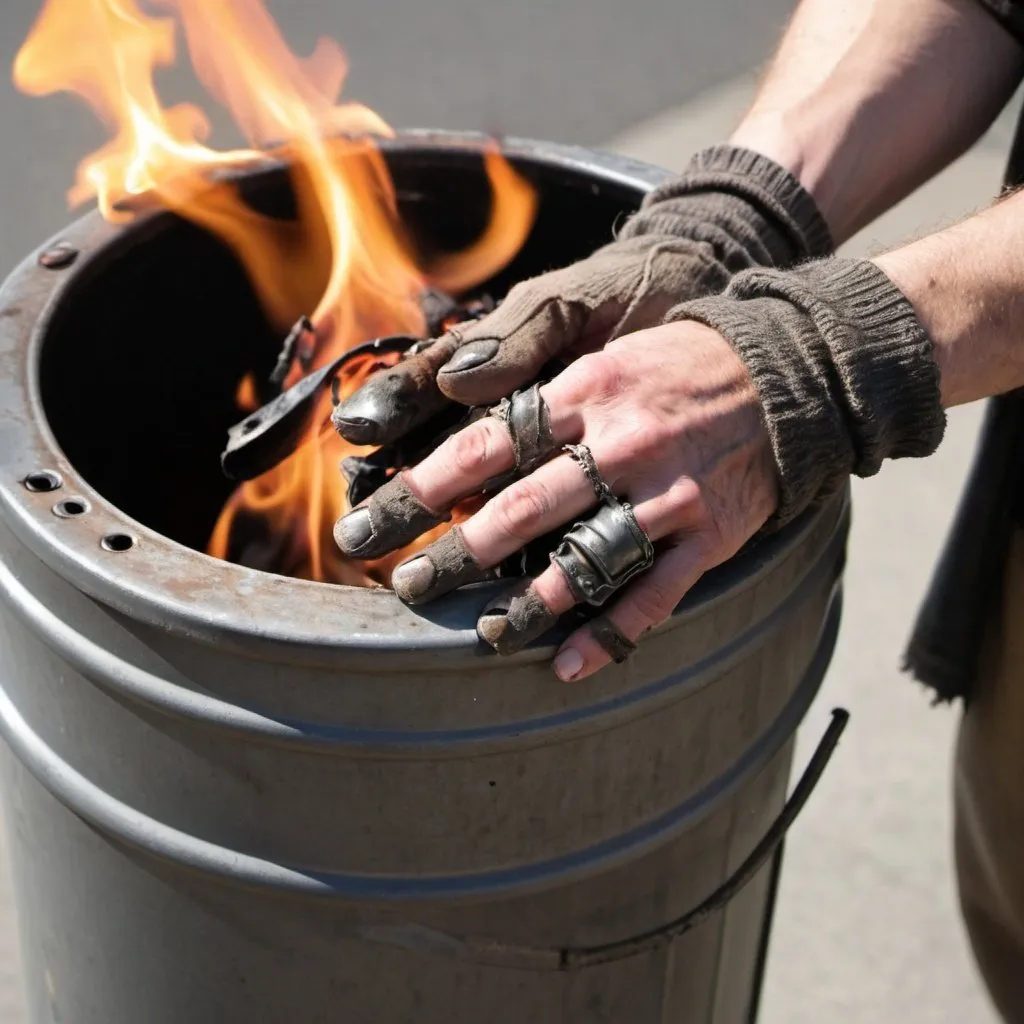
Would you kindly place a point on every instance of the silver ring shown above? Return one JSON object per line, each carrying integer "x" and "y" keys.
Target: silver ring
{"x": 528, "y": 422}
{"x": 601, "y": 554}
{"x": 584, "y": 458}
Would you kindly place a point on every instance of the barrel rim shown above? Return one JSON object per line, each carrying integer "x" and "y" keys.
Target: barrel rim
{"x": 124, "y": 679}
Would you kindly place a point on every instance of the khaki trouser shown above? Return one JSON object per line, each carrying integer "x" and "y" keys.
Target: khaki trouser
{"x": 990, "y": 803}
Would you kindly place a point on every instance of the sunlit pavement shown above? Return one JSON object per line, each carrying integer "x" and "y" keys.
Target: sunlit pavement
{"x": 867, "y": 928}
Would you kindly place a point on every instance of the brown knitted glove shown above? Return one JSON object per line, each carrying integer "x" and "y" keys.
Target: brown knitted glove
{"x": 842, "y": 366}
{"x": 732, "y": 209}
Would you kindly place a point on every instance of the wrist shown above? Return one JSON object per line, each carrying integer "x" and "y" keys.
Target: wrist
{"x": 752, "y": 198}
{"x": 842, "y": 366}
{"x": 767, "y": 133}
{"x": 804, "y": 141}
{"x": 916, "y": 289}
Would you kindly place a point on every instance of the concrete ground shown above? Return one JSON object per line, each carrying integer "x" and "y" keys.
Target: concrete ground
{"x": 867, "y": 928}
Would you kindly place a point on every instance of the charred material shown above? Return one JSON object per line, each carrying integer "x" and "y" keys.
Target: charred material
{"x": 365, "y": 473}
{"x": 270, "y": 434}
{"x": 303, "y": 328}
{"x": 439, "y": 308}
{"x": 441, "y": 311}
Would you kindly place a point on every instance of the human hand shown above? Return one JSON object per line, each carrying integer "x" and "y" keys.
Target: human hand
{"x": 755, "y": 403}
{"x": 673, "y": 422}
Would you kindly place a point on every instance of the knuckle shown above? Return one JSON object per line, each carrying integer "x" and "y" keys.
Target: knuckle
{"x": 470, "y": 451}
{"x": 692, "y": 502}
{"x": 640, "y": 437}
{"x": 708, "y": 547}
{"x": 653, "y": 602}
{"x": 519, "y": 509}
{"x": 594, "y": 377}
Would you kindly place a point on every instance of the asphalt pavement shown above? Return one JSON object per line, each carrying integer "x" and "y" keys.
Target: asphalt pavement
{"x": 867, "y": 928}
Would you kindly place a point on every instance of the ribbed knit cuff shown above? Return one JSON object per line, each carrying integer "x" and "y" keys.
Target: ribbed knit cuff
{"x": 842, "y": 366}
{"x": 774, "y": 195}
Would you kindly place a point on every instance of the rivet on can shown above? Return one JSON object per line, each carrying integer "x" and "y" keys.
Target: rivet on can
{"x": 58, "y": 256}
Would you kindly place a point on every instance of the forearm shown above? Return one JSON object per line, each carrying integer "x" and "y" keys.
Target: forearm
{"x": 867, "y": 99}
{"x": 966, "y": 285}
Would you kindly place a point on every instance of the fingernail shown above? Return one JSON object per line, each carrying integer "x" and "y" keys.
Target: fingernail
{"x": 497, "y": 629}
{"x": 412, "y": 579}
{"x": 470, "y": 356}
{"x": 491, "y": 626}
{"x": 352, "y": 532}
{"x": 360, "y": 418}
{"x": 568, "y": 664}
{"x": 355, "y": 429}
{"x": 510, "y": 621}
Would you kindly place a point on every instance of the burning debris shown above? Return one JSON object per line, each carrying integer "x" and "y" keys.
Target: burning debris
{"x": 342, "y": 269}
{"x": 272, "y": 433}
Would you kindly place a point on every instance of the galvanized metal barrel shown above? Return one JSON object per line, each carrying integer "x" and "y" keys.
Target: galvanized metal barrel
{"x": 234, "y": 796}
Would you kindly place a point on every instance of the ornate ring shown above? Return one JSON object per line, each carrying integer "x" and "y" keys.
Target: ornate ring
{"x": 528, "y": 422}
{"x": 584, "y": 458}
{"x": 604, "y": 552}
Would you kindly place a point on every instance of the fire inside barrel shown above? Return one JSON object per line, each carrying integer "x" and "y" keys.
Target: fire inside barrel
{"x": 272, "y": 434}
{"x": 344, "y": 257}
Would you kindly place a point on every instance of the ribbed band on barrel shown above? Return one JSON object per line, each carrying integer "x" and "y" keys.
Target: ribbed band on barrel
{"x": 751, "y": 210}
{"x": 842, "y": 366}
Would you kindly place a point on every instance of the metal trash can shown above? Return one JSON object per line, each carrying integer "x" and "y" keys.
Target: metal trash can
{"x": 234, "y": 796}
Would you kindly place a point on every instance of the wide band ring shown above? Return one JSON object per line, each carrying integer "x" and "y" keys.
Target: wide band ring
{"x": 528, "y": 422}
{"x": 603, "y": 553}
{"x": 616, "y": 645}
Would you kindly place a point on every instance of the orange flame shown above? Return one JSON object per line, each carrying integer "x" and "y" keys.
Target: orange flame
{"x": 345, "y": 256}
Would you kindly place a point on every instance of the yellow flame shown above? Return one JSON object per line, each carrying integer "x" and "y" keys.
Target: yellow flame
{"x": 345, "y": 256}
